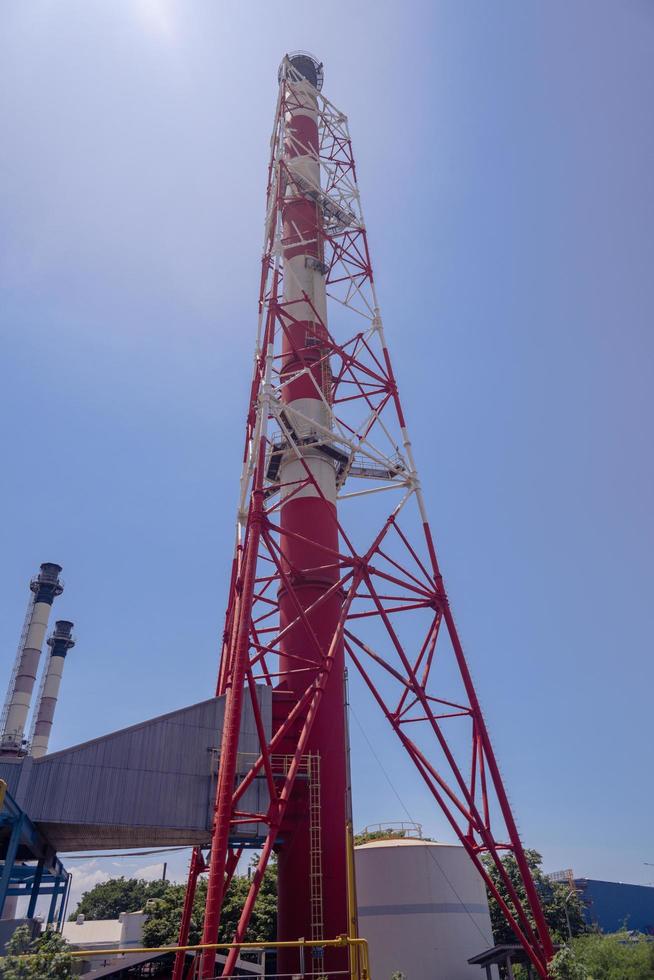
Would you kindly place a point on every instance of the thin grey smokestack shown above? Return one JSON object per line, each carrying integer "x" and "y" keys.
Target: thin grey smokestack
{"x": 45, "y": 587}
{"x": 60, "y": 643}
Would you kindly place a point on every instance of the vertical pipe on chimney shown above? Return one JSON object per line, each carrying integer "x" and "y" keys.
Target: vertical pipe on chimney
{"x": 45, "y": 587}
{"x": 60, "y": 642}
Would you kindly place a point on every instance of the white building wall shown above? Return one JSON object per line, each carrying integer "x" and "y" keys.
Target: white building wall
{"x": 131, "y": 928}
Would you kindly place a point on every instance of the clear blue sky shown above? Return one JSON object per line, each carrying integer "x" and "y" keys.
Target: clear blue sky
{"x": 506, "y": 161}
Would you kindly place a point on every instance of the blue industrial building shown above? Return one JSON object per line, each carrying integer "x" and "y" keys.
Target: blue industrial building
{"x": 613, "y": 905}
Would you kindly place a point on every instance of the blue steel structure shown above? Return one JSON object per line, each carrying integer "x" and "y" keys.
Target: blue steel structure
{"x": 30, "y": 868}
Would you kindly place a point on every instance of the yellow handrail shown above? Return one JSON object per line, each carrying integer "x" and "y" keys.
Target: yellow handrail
{"x": 359, "y": 944}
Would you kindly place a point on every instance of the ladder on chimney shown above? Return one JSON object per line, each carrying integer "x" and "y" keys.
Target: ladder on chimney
{"x": 315, "y": 865}
{"x": 14, "y": 672}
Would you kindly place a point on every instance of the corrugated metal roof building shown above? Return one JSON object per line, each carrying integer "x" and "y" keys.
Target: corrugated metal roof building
{"x": 152, "y": 784}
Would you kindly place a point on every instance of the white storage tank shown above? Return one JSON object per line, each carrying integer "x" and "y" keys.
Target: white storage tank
{"x": 423, "y": 909}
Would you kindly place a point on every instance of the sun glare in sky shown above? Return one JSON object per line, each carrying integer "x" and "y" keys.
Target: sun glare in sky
{"x": 158, "y": 17}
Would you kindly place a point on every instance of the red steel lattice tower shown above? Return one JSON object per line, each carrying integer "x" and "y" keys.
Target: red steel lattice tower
{"x": 334, "y": 558}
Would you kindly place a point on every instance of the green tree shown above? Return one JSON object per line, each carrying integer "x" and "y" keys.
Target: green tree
{"x": 263, "y": 921}
{"x": 164, "y": 914}
{"x": 108, "y": 899}
{"x": 559, "y": 905}
{"x": 48, "y": 957}
{"x": 617, "y": 956}
{"x": 566, "y": 966}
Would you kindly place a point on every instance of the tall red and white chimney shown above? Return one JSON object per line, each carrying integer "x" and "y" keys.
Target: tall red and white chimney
{"x": 309, "y": 521}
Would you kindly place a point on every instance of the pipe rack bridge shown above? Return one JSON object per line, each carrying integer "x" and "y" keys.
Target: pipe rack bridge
{"x": 152, "y": 784}
{"x": 30, "y": 866}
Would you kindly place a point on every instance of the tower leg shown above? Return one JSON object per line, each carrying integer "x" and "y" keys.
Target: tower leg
{"x": 197, "y": 866}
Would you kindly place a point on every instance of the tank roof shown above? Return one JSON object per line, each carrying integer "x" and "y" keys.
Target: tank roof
{"x": 404, "y": 842}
